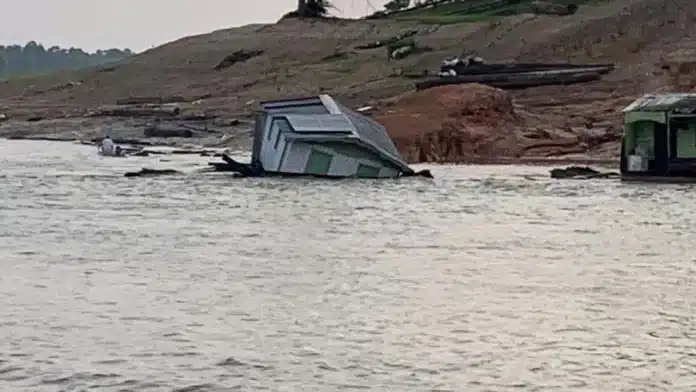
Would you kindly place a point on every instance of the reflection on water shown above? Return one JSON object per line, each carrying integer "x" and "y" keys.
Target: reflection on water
{"x": 485, "y": 279}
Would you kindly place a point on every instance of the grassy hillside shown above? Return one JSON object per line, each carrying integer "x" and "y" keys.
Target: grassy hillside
{"x": 300, "y": 57}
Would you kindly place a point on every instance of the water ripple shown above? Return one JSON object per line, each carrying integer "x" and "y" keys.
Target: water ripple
{"x": 485, "y": 279}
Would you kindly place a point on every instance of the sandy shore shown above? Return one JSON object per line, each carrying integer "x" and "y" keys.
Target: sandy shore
{"x": 123, "y": 131}
{"x": 233, "y": 138}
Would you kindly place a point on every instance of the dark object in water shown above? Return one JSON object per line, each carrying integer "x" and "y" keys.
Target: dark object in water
{"x": 145, "y": 172}
{"x": 421, "y": 173}
{"x": 230, "y": 165}
{"x": 581, "y": 173}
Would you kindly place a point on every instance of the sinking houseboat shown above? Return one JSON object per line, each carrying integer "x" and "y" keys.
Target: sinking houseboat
{"x": 318, "y": 136}
{"x": 659, "y": 142}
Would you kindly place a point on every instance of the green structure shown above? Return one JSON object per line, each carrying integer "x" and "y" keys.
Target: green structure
{"x": 659, "y": 142}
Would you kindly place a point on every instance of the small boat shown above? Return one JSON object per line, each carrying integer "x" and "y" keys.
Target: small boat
{"x": 659, "y": 140}
{"x": 118, "y": 152}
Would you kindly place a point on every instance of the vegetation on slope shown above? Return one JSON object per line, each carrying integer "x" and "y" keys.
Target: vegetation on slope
{"x": 34, "y": 58}
{"x": 463, "y": 11}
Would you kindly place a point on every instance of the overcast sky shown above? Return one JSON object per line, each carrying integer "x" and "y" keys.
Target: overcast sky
{"x": 138, "y": 24}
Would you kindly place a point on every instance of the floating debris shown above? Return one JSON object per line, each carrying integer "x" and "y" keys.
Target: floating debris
{"x": 581, "y": 173}
{"x": 145, "y": 172}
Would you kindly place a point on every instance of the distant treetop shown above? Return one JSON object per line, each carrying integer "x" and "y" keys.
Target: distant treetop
{"x": 34, "y": 58}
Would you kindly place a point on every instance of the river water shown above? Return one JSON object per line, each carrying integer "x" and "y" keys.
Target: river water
{"x": 484, "y": 279}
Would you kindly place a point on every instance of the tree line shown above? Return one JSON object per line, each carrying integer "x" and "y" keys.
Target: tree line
{"x": 34, "y": 58}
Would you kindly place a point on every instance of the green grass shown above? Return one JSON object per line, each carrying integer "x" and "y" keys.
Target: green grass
{"x": 470, "y": 11}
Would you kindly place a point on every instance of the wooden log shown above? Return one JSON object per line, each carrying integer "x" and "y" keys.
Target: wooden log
{"x": 230, "y": 165}
{"x": 159, "y": 100}
{"x": 137, "y": 111}
{"x": 40, "y": 138}
{"x": 145, "y": 172}
{"x": 239, "y": 56}
{"x": 167, "y": 132}
{"x": 222, "y": 167}
{"x": 149, "y": 100}
{"x": 581, "y": 173}
{"x": 197, "y": 117}
{"x": 511, "y": 81}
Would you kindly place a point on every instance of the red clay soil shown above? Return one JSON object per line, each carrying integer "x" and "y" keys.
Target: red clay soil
{"x": 466, "y": 123}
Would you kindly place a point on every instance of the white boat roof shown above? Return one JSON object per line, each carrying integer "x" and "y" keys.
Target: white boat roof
{"x": 324, "y": 123}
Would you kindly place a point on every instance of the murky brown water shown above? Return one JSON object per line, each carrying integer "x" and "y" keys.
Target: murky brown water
{"x": 486, "y": 279}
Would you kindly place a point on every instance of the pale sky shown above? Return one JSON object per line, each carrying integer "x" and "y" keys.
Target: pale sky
{"x": 139, "y": 24}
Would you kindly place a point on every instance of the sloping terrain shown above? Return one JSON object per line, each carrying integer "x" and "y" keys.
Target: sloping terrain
{"x": 302, "y": 57}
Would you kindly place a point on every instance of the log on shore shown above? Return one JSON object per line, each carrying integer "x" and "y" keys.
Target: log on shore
{"x": 149, "y": 100}
{"x": 41, "y": 138}
{"x": 239, "y": 56}
{"x": 137, "y": 111}
{"x": 513, "y": 81}
{"x": 167, "y": 132}
{"x": 159, "y": 100}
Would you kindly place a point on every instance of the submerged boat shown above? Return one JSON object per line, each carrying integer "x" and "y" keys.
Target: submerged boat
{"x": 659, "y": 141}
{"x": 318, "y": 136}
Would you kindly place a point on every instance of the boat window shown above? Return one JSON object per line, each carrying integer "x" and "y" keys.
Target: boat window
{"x": 684, "y": 131}
{"x": 643, "y": 133}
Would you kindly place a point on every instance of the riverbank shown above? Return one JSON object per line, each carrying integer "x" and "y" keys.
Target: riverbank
{"x": 125, "y": 131}
{"x": 219, "y": 78}
{"x": 209, "y": 148}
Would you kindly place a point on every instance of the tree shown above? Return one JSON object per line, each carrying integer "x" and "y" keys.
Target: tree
{"x": 35, "y": 58}
{"x": 396, "y": 5}
{"x": 312, "y": 8}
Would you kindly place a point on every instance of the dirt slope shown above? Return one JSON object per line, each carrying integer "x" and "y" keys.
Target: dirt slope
{"x": 306, "y": 57}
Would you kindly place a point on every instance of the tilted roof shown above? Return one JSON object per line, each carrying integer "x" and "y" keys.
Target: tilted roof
{"x": 322, "y": 123}
{"x": 663, "y": 102}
